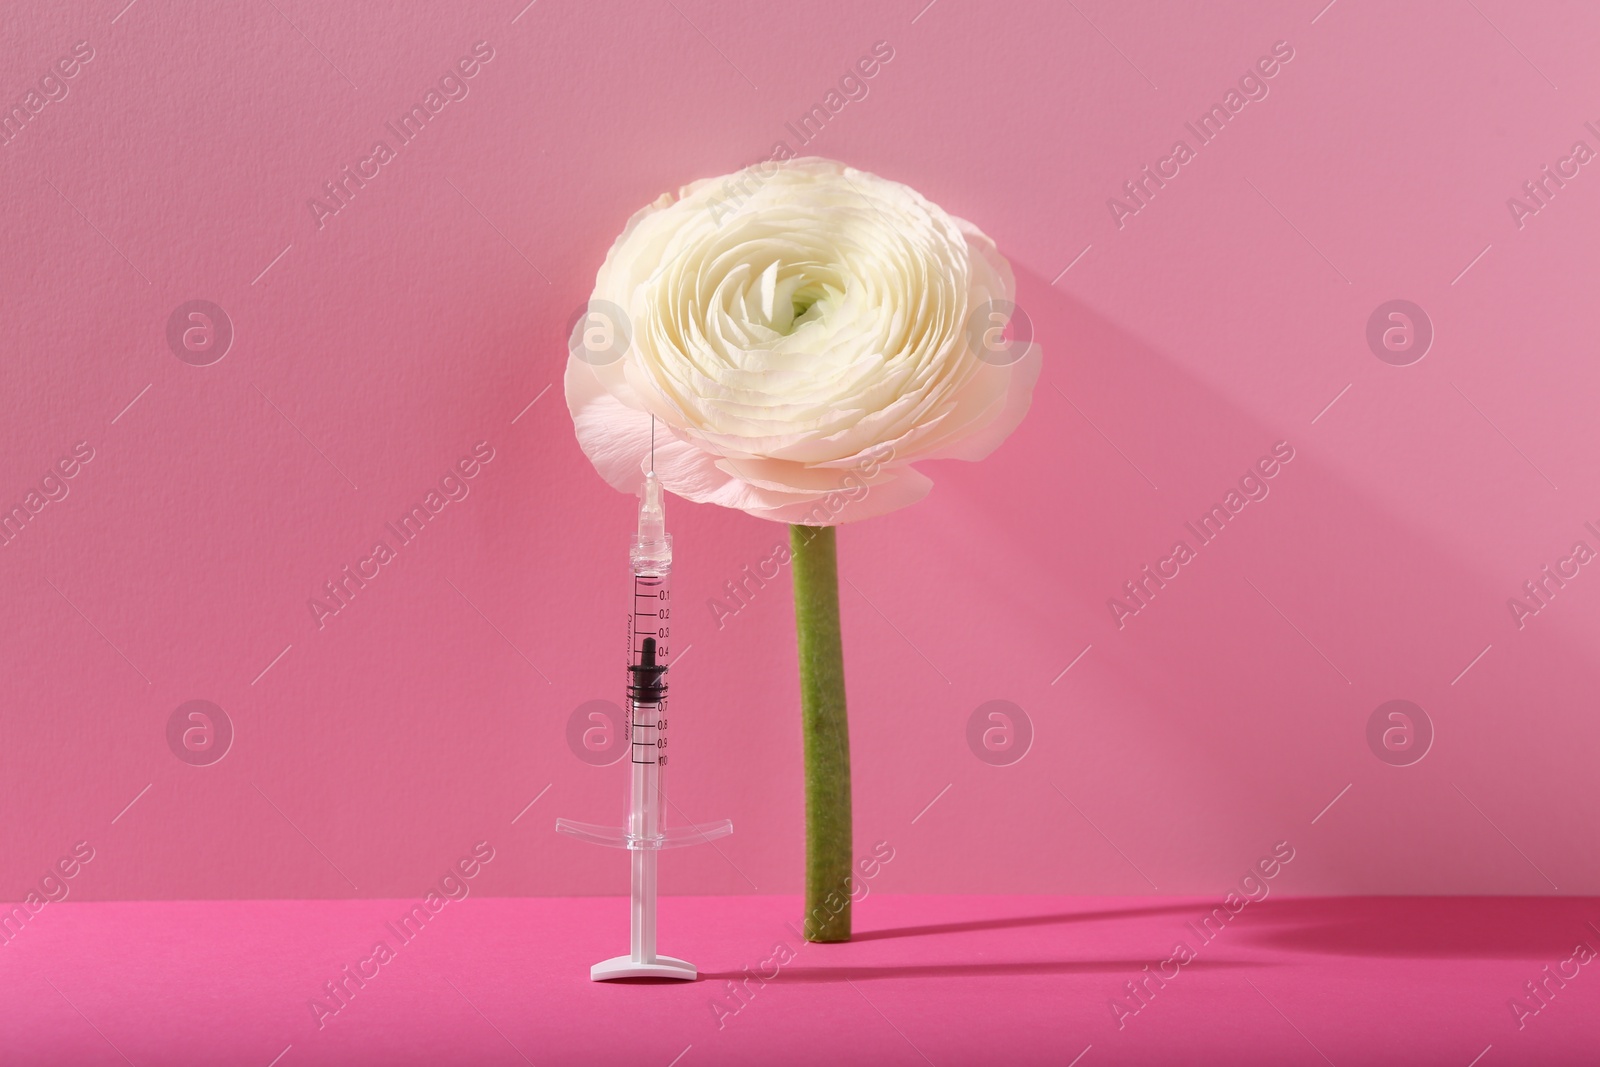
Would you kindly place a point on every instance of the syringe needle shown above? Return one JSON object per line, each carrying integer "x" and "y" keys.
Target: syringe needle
{"x": 652, "y": 444}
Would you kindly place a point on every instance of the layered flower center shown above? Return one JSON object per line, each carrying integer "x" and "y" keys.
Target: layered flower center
{"x": 815, "y": 310}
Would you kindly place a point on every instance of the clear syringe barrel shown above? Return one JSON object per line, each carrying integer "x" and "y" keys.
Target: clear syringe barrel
{"x": 650, "y": 631}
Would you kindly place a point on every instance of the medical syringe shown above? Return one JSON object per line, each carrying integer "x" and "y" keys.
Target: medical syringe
{"x": 645, "y": 834}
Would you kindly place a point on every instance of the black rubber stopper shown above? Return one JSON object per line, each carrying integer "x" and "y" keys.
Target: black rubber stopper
{"x": 647, "y": 679}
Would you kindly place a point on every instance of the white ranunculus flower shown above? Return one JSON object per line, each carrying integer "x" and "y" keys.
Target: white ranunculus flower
{"x": 803, "y": 332}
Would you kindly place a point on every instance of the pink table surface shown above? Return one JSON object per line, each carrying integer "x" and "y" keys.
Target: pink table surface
{"x": 941, "y": 980}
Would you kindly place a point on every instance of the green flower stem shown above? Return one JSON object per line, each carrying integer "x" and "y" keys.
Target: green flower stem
{"x": 826, "y": 732}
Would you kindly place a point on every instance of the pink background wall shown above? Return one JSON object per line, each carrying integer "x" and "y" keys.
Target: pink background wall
{"x": 372, "y": 354}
